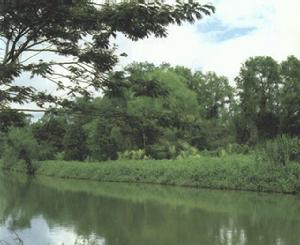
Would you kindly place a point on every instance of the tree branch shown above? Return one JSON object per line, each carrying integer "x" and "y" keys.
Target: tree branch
{"x": 34, "y": 55}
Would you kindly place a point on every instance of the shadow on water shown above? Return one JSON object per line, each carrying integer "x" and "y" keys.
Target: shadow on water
{"x": 54, "y": 210}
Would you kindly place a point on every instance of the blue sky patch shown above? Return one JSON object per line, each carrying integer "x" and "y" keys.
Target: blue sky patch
{"x": 220, "y": 32}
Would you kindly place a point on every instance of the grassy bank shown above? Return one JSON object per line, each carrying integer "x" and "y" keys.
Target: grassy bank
{"x": 235, "y": 172}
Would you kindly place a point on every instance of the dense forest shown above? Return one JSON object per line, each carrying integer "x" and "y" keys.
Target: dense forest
{"x": 165, "y": 112}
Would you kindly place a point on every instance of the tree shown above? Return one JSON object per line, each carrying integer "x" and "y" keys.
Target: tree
{"x": 75, "y": 143}
{"x": 258, "y": 90}
{"x": 290, "y": 96}
{"x": 74, "y": 39}
{"x": 101, "y": 143}
{"x": 11, "y": 118}
{"x": 8, "y": 119}
{"x": 20, "y": 150}
{"x": 148, "y": 105}
{"x": 49, "y": 132}
{"x": 214, "y": 93}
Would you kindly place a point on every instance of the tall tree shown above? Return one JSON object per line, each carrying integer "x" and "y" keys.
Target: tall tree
{"x": 258, "y": 89}
{"x": 214, "y": 93}
{"x": 74, "y": 38}
{"x": 75, "y": 143}
{"x": 49, "y": 132}
{"x": 290, "y": 96}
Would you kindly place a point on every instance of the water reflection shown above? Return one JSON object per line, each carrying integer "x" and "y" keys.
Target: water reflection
{"x": 52, "y": 211}
{"x": 39, "y": 232}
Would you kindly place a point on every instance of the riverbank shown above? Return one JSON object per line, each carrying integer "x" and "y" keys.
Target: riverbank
{"x": 233, "y": 172}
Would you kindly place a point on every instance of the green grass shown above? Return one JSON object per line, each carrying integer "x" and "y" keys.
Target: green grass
{"x": 235, "y": 172}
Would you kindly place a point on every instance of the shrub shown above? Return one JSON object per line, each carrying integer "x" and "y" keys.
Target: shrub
{"x": 187, "y": 151}
{"x": 133, "y": 155}
{"x": 59, "y": 156}
{"x": 21, "y": 149}
{"x": 158, "y": 151}
{"x": 238, "y": 149}
{"x": 221, "y": 152}
{"x": 207, "y": 153}
{"x": 282, "y": 150}
{"x": 46, "y": 151}
{"x": 181, "y": 150}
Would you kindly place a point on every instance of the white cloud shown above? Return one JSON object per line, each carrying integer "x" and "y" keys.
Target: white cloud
{"x": 276, "y": 33}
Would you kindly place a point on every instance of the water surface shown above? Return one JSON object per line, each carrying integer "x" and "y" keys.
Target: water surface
{"x": 54, "y": 211}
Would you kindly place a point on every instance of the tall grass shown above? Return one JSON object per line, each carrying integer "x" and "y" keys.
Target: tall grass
{"x": 282, "y": 150}
{"x": 237, "y": 172}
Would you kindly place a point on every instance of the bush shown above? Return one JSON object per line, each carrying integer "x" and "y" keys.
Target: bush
{"x": 221, "y": 152}
{"x": 158, "y": 151}
{"x": 46, "y": 151}
{"x": 187, "y": 151}
{"x": 238, "y": 149}
{"x": 181, "y": 150}
{"x": 132, "y": 155}
{"x": 59, "y": 156}
{"x": 282, "y": 150}
{"x": 207, "y": 153}
{"x": 21, "y": 149}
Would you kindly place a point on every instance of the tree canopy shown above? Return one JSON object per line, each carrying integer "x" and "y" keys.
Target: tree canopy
{"x": 69, "y": 42}
{"x": 165, "y": 112}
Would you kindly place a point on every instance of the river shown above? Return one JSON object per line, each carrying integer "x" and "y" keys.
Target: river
{"x": 54, "y": 211}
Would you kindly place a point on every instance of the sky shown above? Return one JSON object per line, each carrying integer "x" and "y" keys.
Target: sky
{"x": 238, "y": 30}
{"x": 222, "y": 42}
{"x": 44, "y": 233}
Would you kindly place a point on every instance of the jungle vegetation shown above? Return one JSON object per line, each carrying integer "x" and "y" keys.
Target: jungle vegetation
{"x": 171, "y": 113}
{"x": 145, "y": 111}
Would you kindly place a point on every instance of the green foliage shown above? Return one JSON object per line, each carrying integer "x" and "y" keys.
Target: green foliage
{"x": 180, "y": 150}
{"x": 238, "y": 149}
{"x": 49, "y": 132}
{"x": 187, "y": 151}
{"x": 214, "y": 93}
{"x": 10, "y": 118}
{"x": 46, "y": 151}
{"x": 237, "y": 172}
{"x": 132, "y": 155}
{"x": 104, "y": 139}
{"x": 2, "y": 143}
{"x": 290, "y": 96}
{"x": 75, "y": 143}
{"x": 258, "y": 86}
{"x": 59, "y": 156}
{"x": 50, "y": 129}
{"x": 282, "y": 150}
{"x": 269, "y": 100}
{"x": 221, "y": 152}
{"x": 60, "y": 29}
{"x": 158, "y": 151}
{"x": 159, "y": 109}
{"x": 21, "y": 150}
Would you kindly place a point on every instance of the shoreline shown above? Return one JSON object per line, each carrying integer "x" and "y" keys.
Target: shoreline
{"x": 234, "y": 172}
